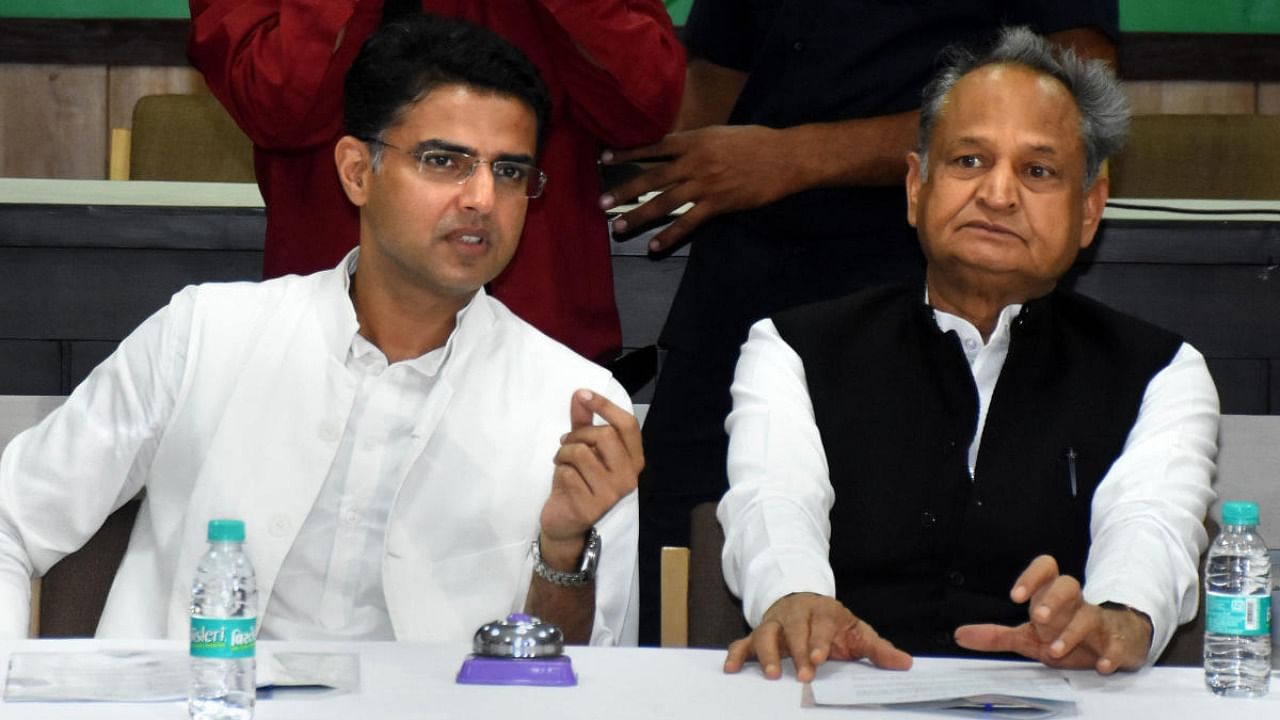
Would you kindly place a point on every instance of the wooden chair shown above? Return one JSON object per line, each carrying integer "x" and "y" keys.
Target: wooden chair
{"x": 697, "y": 608}
{"x": 1199, "y": 156}
{"x": 183, "y": 138}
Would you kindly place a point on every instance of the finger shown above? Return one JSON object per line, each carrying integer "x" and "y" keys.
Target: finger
{"x": 659, "y": 208}
{"x": 768, "y": 648}
{"x": 999, "y": 638}
{"x": 740, "y": 651}
{"x": 581, "y": 413}
{"x": 1042, "y": 570}
{"x": 796, "y": 635}
{"x": 823, "y": 629}
{"x": 654, "y": 179}
{"x": 1054, "y": 605}
{"x": 681, "y": 226}
{"x": 670, "y": 145}
{"x": 862, "y": 640}
{"x": 607, "y": 443}
{"x": 1085, "y": 626}
{"x": 568, "y": 479}
{"x": 628, "y": 428}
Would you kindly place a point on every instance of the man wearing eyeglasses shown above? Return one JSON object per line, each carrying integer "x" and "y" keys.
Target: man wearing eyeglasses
{"x": 411, "y": 459}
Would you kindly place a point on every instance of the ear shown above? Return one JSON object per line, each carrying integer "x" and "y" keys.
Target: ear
{"x": 1095, "y": 201}
{"x": 355, "y": 168}
{"x": 914, "y": 182}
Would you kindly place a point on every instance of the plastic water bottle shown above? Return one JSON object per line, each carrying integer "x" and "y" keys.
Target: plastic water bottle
{"x": 1237, "y": 588}
{"x": 224, "y": 613}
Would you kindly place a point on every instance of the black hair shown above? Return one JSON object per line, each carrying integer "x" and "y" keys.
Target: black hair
{"x": 409, "y": 57}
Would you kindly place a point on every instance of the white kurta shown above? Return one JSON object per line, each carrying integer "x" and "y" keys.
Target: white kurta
{"x": 231, "y": 401}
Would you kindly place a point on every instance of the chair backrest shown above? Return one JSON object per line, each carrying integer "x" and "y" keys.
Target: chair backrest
{"x": 187, "y": 138}
{"x": 712, "y": 617}
{"x": 74, "y": 591}
{"x": 1248, "y": 460}
{"x": 1199, "y": 156}
{"x": 1248, "y": 468}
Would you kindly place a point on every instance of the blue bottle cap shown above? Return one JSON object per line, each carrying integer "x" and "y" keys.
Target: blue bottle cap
{"x": 226, "y": 531}
{"x": 1239, "y": 512}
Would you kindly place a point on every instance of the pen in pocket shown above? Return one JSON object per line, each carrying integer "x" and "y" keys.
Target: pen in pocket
{"x": 1071, "y": 456}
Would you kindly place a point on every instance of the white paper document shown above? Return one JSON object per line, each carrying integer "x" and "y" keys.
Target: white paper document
{"x": 1012, "y": 690}
{"x": 151, "y": 676}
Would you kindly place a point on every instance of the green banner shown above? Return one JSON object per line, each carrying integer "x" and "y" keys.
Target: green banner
{"x": 1201, "y": 16}
{"x": 161, "y": 9}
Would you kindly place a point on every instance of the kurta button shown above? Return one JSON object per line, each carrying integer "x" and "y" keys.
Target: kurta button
{"x": 956, "y": 578}
{"x": 798, "y": 46}
{"x": 927, "y": 520}
{"x": 329, "y": 431}
{"x": 279, "y": 526}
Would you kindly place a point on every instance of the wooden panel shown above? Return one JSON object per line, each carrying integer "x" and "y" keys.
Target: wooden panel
{"x": 1188, "y": 96}
{"x": 1199, "y": 56}
{"x": 58, "y": 129}
{"x": 126, "y": 84}
{"x": 94, "y": 42}
{"x": 1269, "y": 99}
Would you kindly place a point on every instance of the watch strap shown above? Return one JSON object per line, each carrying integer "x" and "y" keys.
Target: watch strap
{"x": 586, "y": 571}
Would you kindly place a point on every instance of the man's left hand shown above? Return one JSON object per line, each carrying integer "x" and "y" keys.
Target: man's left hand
{"x": 596, "y": 466}
{"x": 1063, "y": 630}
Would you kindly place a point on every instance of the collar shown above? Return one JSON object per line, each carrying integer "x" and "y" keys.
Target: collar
{"x": 970, "y": 336}
{"x": 340, "y": 329}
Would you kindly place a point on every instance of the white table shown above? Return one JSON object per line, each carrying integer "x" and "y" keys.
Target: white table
{"x": 405, "y": 680}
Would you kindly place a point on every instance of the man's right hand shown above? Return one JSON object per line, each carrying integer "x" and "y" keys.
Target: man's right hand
{"x": 812, "y": 629}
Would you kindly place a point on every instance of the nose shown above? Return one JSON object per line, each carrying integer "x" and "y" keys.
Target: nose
{"x": 478, "y": 191}
{"x": 999, "y": 188}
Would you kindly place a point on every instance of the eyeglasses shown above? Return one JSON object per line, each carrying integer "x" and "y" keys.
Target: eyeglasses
{"x": 449, "y": 166}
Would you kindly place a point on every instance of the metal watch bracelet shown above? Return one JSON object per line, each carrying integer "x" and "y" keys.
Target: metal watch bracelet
{"x": 586, "y": 571}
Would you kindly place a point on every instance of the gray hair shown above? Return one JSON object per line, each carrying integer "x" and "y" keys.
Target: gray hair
{"x": 1104, "y": 110}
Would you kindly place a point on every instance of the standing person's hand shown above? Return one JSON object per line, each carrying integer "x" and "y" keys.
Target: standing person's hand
{"x": 719, "y": 169}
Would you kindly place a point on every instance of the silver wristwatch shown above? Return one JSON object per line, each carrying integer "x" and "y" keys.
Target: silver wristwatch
{"x": 586, "y": 571}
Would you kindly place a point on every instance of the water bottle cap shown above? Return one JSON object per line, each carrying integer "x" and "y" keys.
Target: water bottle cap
{"x": 226, "y": 531}
{"x": 1239, "y": 512}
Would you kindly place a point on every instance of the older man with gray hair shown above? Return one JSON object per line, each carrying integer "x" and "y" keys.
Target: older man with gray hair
{"x": 987, "y": 463}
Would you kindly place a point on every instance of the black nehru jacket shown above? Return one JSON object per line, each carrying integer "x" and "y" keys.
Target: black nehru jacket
{"x": 918, "y": 548}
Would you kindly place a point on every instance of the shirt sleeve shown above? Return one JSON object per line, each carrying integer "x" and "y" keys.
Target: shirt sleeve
{"x": 1147, "y": 519}
{"x": 776, "y": 514}
{"x": 60, "y": 479}
{"x": 618, "y": 577}
{"x": 622, "y": 66}
{"x": 278, "y": 65}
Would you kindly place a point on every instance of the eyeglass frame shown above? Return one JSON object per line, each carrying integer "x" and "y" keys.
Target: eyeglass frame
{"x": 421, "y": 155}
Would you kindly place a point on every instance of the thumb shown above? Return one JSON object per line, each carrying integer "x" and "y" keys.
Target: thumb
{"x": 580, "y": 413}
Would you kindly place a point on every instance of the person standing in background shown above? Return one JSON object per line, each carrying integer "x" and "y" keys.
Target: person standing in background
{"x": 792, "y": 137}
{"x": 614, "y": 70}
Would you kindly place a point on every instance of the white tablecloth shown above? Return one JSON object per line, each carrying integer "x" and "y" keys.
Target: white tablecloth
{"x": 404, "y": 680}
